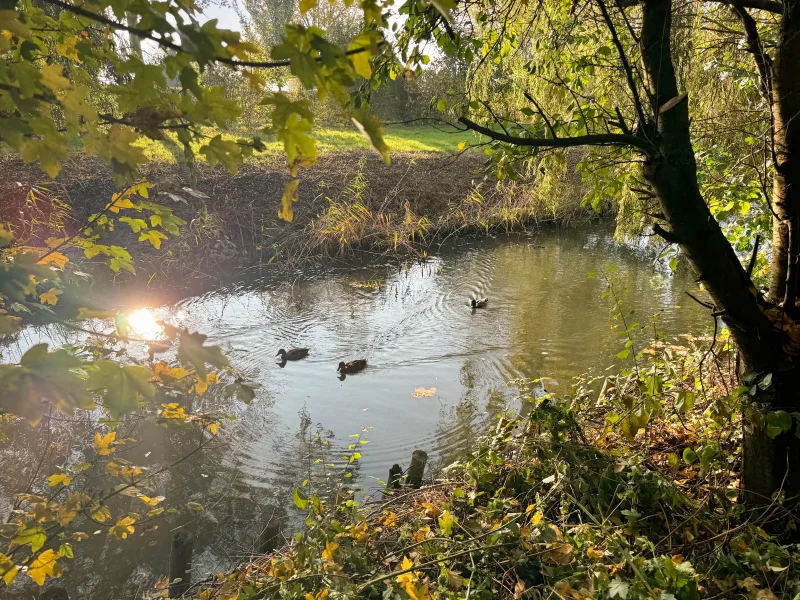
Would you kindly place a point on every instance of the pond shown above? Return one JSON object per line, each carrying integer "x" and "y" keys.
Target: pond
{"x": 545, "y": 319}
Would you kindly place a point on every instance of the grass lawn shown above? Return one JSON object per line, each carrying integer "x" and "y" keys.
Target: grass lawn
{"x": 331, "y": 139}
{"x": 400, "y": 138}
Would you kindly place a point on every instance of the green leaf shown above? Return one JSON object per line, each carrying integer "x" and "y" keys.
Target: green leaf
{"x": 778, "y": 422}
{"x": 121, "y": 386}
{"x": 685, "y": 401}
{"x": 689, "y": 455}
{"x": 624, "y": 354}
{"x": 371, "y": 128}
{"x": 307, "y": 5}
{"x": 153, "y": 236}
{"x": 34, "y": 536}
{"x": 136, "y": 224}
{"x": 300, "y": 499}
{"x": 192, "y": 353}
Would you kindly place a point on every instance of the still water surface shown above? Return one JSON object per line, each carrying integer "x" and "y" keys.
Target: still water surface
{"x": 545, "y": 318}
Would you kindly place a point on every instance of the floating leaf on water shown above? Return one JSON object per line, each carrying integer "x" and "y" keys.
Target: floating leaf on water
{"x": 421, "y": 392}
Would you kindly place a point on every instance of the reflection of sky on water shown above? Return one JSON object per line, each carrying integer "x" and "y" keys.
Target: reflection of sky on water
{"x": 545, "y": 318}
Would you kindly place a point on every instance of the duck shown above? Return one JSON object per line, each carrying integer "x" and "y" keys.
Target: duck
{"x": 293, "y": 354}
{"x": 354, "y": 366}
{"x": 479, "y": 303}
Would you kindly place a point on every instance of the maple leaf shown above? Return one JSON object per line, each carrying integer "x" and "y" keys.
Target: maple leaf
{"x": 406, "y": 579}
{"x": 8, "y": 570}
{"x": 123, "y": 527}
{"x": 54, "y": 258}
{"x": 59, "y": 478}
{"x": 103, "y": 445}
{"x": 50, "y": 296}
{"x": 192, "y": 352}
{"x": 43, "y": 565}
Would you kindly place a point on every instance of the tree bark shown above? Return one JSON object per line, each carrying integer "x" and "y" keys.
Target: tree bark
{"x": 768, "y": 464}
{"x": 673, "y": 176}
{"x": 786, "y": 146}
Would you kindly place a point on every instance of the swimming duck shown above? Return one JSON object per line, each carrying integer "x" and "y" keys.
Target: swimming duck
{"x": 293, "y": 354}
{"x": 480, "y": 302}
{"x": 354, "y": 366}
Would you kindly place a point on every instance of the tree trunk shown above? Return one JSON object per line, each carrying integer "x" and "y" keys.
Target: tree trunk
{"x": 673, "y": 177}
{"x": 785, "y": 275}
{"x": 768, "y": 464}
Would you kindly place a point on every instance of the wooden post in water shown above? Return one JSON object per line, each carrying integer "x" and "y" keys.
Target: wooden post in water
{"x": 54, "y": 593}
{"x": 417, "y": 468}
{"x": 395, "y": 473}
{"x": 180, "y": 563}
{"x": 269, "y": 538}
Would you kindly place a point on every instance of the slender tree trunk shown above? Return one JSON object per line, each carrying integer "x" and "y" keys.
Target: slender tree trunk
{"x": 673, "y": 176}
{"x": 785, "y": 274}
{"x": 768, "y": 464}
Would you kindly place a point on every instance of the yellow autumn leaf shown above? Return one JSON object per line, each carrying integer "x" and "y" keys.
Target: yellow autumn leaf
{"x": 537, "y": 518}
{"x": 418, "y": 593}
{"x": 117, "y": 203}
{"x": 212, "y": 427}
{"x": 327, "y": 554}
{"x": 461, "y": 146}
{"x": 43, "y": 565}
{"x": 420, "y": 534}
{"x": 201, "y": 385}
{"x": 50, "y": 296}
{"x": 594, "y": 553}
{"x": 103, "y": 445}
{"x": 530, "y": 508}
{"x": 59, "y": 478}
{"x": 406, "y": 579}
{"x": 421, "y": 392}
{"x": 8, "y": 570}
{"x": 289, "y": 196}
{"x": 321, "y": 595}
{"x": 54, "y": 258}
{"x": 123, "y": 527}
{"x": 388, "y": 519}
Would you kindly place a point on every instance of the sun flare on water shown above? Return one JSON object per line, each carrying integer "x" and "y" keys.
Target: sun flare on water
{"x": 143, "y": 324}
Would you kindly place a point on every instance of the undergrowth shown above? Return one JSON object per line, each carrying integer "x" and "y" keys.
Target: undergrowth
{"x": 627, "y": 488}
{"x": 358, "y": 218}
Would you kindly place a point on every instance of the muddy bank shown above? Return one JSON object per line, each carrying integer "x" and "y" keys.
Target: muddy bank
{"x": 348, "y": 202}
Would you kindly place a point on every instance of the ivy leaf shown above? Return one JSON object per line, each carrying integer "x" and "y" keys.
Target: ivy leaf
{"x": 778, "y": 422}
{"x": 192, "y": 352}
{"x": 289, "y": 197}
{"x": 618, "y": 588}
{"x": 245, "y": 392}
{"x": 371, "y": 128}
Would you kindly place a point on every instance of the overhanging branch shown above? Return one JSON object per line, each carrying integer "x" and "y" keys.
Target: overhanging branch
{"x": 772, "y": 6}
{"x": 170, "y": 44}
{"x": 597, "y": 139}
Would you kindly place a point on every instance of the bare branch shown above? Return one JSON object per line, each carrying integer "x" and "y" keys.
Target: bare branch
{"x": 637, "y": 102}
{"x": 596, "y": 139}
